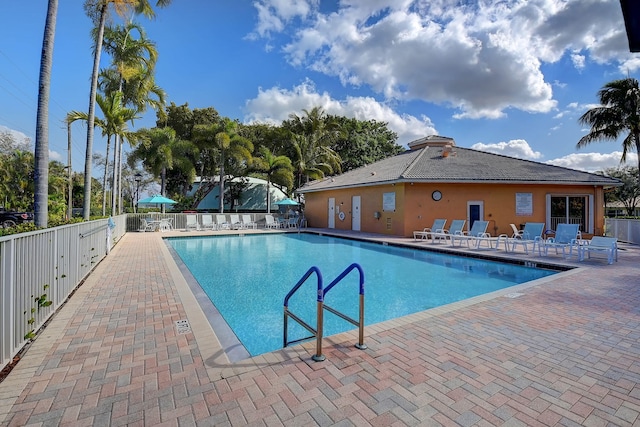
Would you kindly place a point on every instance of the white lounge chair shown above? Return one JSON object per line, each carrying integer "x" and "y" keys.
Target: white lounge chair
{"x": 457, "y": 227}
{"x": 270, "y": 222}
{"x": 247, "y": 222}
{"x": 207, "y": 222}
{"x": 234, "y": 221}
{"x": 567, "y": 236}
{"x": 437, "y": 227}
{"x": 192, "y": 222}
{"x": 599, "y": 244}
{"x": 221, "y": 222}
{"x": 476, "y": 235}
{"x": 530, "y": 235}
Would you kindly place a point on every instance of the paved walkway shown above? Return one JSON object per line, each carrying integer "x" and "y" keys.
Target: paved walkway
{"x": 132, "y": 347}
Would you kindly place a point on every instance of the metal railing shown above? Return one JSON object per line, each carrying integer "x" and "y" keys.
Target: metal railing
{"x": 623, "y": 229}
{"x": 39, "y": 270}
{"x": 318, "y": 332}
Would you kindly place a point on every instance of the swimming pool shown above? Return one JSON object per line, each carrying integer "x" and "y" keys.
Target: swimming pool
{"x": 247, "y": 277}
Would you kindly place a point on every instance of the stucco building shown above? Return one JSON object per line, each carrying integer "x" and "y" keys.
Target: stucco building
{"x": 437, "y": 179}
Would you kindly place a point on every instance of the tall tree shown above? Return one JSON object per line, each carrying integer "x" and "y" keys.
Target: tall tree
{"x": 98, "y": 11}
{"x": 275, "y": 169}
{"x": 160, "y": 150}
{"x": 41, "y": 178}
{"x": 313, "y": 136}
{"x": 618, "y": 115}
{"x": 132, "y": 73}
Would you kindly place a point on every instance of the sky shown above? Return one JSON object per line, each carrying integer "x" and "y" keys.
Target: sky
{"x": 509, "y": 76}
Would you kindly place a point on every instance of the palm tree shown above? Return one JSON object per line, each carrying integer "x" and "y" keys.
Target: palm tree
{"x": 159, "y": 150}
{"x": 617, "y": 116}
{"x": 276, "y": 169}
{"x": 115, "y": 121}
{"x": 41, "y": 178}
{"x": 98, "y": 11}
{"x": 231, "y": 147}
{"x": 132, "y": 73}
{"x": 313, "y": 135}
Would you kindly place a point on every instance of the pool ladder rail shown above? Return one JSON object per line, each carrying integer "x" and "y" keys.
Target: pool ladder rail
{"x": 317, "y": 333}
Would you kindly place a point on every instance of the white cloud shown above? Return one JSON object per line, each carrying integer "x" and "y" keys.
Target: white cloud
{"x": 592, "y": 162}
{"x": 518, "y": 148}
{"x": 275, "y": 104}
{"x": 480, "y": 58}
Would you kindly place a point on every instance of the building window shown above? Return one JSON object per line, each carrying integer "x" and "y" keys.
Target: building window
{"x": 571, "y": 209}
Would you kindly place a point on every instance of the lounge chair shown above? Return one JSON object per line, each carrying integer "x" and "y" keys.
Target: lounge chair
{"x": 456, "y": 228}
{"x": 221, "y": 222}
{"x": 234, "y": 221}
{"x": 437, "y": 227}
{"x": 247, "y": 222}
{"x": 147, "y": 225}
{"x": 476, "y": 235}
{"x": 516, "y": 232}
{"x": 599, "y": 244}
{"x": 207, "y": 222}
{"x": 192, "y": 222}
{"x": 531, "y": 235}
{"x": 567, "y": 236}
{"x": 270, "y": 222}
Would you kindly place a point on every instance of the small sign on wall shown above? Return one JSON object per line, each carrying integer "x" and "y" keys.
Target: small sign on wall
{"x": 389, "y": 202}
{"x": 524, "y": 204}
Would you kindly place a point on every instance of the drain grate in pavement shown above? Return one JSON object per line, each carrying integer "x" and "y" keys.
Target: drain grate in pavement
{"x": 514, "y": 295}
{"x": 182, "y": 326}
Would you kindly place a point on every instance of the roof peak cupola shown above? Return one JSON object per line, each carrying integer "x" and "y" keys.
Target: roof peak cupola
{"x": 432, "y": 141}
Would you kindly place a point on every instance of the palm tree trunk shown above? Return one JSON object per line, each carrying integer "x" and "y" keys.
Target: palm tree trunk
{"x": 41, "y": 196}
{"x": 92, "y": 113}
{"x": 222, "y": 183}
{"x": 114, "y": 193}
{"x": 104, "y": 177}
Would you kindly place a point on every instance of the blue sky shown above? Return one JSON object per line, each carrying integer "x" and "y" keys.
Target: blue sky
{"x": 510, "y": 77}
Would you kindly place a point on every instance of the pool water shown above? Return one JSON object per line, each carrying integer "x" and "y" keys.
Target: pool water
{"x": 247, "y": 277}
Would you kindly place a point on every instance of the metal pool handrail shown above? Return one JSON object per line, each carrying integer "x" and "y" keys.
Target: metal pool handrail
{"x": 318, "y": 332}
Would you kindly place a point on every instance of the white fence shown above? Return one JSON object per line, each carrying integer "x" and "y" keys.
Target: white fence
{"x": 42, "y": 266}
{"x": 625, "y": 230}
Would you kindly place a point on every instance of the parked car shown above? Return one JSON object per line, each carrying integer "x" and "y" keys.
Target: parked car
{"x": 10, "y": 218}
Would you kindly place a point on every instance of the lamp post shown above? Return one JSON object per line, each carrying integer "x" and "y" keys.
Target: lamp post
{"x": 138, "y": 178}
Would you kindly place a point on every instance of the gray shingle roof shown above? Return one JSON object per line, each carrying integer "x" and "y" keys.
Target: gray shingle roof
{"x": 463, "y": 165}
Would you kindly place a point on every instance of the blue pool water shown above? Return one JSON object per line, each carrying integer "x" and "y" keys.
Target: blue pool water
{"x": 247, "y": 277}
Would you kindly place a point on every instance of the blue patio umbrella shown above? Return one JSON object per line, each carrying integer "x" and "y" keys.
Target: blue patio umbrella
{"x": 287, "y": 202}
{"x": 157, "y": 199}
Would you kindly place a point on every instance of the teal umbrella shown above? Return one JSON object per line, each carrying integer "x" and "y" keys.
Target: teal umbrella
{"x": 287, "y": 202}
{"x": 157, "y": 199}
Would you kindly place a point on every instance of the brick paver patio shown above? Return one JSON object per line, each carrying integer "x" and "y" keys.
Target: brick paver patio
{"x": 559, "y": 351}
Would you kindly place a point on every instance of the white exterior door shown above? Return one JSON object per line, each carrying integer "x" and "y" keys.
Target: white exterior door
{"x": 332, "y": 213}
{"x": 355, "y": 215}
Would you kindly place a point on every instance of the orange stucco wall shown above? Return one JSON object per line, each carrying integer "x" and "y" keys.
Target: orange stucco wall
{"x": 415, "y": 209}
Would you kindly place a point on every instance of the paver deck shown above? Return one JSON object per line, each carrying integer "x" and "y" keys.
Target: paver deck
{"x": 564, "y": 350}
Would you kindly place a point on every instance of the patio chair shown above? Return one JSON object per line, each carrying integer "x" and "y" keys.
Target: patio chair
{"x": 221, "y": 222}
{"x": 477, "y": 234}
{"x": 234, "y": 221}
{"x": 146, "y": 225}
{"x": 247, "y": 222}
{"x": 437, "y": 227}
{"x": 207, "y": 222}
{"x": 567, "y": 236}
{"x": 516, "y": 232}
{"x": 270, "y": 222}
{"x": 530, "y": 235}
{"x": 192, "y": 222}
{"x": 599, "y": 244}
{"x": 292, "y": 222}
{"x": 457, "y": 227}
{"x": 166, "y": 224}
